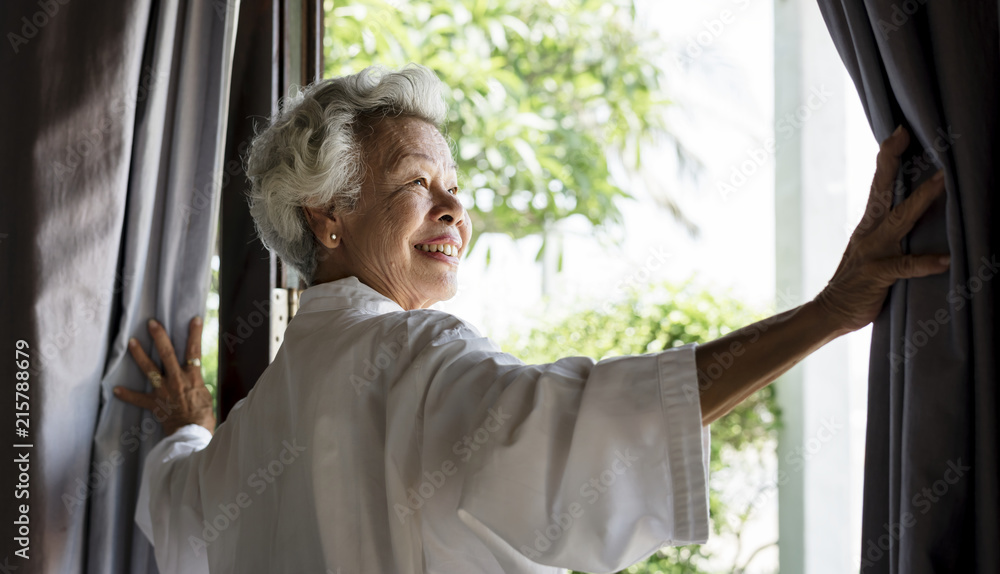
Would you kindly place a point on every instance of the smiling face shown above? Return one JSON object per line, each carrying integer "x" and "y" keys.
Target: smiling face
{"x": 409, "y": 231}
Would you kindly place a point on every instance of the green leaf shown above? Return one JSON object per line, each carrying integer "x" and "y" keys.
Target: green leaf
{"x": 536, "y": 91}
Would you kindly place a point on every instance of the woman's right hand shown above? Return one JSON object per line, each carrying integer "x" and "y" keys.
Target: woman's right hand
{"x": 874, "y": 259}
{"x": 180, "y": 396}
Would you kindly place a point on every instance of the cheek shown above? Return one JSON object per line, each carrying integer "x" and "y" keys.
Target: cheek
{"x": 386, "y": 240}
{"x": 394, "y": 226}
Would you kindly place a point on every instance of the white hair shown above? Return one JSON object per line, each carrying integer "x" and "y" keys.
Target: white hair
{"x": 310, "y": 156}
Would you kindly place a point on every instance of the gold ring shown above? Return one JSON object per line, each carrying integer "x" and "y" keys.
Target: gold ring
{"x": 195, "y": 362}
{"x": 155, "y": 378}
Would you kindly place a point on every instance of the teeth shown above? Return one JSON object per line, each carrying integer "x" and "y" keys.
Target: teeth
{"x": 449, "y": 250}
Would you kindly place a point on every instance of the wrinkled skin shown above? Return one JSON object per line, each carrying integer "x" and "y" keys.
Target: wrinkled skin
{"x": 182, "y": 398}
{"x": 874, "y": 257}
{"x": 408, "y": 197}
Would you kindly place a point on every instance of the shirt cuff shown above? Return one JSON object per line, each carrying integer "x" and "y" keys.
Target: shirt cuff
{"x": 688, "y": 444}
{"x": 184, "y": 441}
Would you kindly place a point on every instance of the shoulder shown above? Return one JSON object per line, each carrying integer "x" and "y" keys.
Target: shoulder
{"x": 438, "y": 323}
{"x": 446, "y": 341}
{"x": 430, "y": 327}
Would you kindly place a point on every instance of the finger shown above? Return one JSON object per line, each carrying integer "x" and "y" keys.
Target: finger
{"x": 887, "y": 163}
{"x": 880, "y": 195}
{"x": 905, "y": 215}
{"x": 910, "y": 266}
{"x": 166, "y": 350}
{"x": 141, "y": 400}
{"x": 194, "y": 339}
{"x": 140, "y": 357}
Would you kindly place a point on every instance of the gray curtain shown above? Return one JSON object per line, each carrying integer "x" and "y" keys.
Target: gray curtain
{"x": 113, "y": 118}
{"x": 930, "y": 500}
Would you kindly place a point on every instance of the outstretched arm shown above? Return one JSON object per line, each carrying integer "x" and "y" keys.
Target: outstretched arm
{"x": 732, "y": 367}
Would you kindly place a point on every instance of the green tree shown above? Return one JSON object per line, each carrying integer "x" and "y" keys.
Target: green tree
{"x": 665, "y": 317}
{"x": 541, "y": 91}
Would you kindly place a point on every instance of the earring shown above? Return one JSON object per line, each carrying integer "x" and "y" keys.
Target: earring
{"x": 333, "y": 236}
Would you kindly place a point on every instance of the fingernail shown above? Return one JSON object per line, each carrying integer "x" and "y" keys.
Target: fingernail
{"x": 132, "y": 342}
{"x": 197, "y": 320}
{"x": 939, "y": 175}
{"x": 899, "y": 130}
{"x": 152, "y": 323}
{"x": 945, "y": 260}
{"x": 116, "y": 391}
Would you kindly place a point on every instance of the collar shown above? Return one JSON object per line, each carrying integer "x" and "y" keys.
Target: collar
{"x": 346, "y": 293}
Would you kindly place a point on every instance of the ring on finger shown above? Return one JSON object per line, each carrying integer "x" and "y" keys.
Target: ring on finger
{"x": 155, "y": 378}
{"x": 195, "y": 362}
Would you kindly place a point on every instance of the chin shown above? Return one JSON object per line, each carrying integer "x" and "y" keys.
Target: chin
{"x": 444, "y": 290}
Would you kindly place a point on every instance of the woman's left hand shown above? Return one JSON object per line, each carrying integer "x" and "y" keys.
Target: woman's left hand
{"x": 874, "y": 259}
{"x": 180, "y": 396}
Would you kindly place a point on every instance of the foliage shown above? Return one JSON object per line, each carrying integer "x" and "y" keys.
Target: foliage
{"x": 541, "y": 90}
{"x": 666, "y": 317}
{"x": 210, "y": 339}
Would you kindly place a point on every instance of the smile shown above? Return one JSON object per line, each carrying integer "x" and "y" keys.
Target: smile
{"x": 449, "y": 250}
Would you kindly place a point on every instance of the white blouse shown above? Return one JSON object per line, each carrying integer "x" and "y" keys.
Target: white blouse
{"x": 382, "y": 440}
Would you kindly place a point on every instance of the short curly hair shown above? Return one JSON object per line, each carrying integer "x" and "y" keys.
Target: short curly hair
{"x": 309, "y": 155}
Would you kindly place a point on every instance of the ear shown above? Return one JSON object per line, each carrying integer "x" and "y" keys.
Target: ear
{"x": 324, "y": 224}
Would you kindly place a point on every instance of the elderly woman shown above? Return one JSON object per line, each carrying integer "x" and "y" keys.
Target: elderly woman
{"x": 389, "y": 437}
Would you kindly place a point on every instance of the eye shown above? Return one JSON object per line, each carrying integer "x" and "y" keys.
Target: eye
{"x": 421, "y": 182}
{"x": 453, "y": 191}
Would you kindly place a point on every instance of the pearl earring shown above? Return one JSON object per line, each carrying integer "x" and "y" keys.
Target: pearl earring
{"x": 333, "y": 236}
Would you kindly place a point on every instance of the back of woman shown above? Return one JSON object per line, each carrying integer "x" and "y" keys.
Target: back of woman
{"x": 388, "y": 437}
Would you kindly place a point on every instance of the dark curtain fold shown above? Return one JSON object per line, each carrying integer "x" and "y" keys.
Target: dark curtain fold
{"x": 114, "y": 116}
{"x": 931, "y": 485}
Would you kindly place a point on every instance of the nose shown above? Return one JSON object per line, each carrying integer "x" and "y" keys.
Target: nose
{"x": 448, "y": 208}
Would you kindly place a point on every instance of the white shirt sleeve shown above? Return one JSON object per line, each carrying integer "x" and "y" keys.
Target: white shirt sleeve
{"x": 175, "y": 503}
{"x": 575, "y": 464}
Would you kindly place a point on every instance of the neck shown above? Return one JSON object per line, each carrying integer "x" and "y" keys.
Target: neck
{"x": 407, "y": 303}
